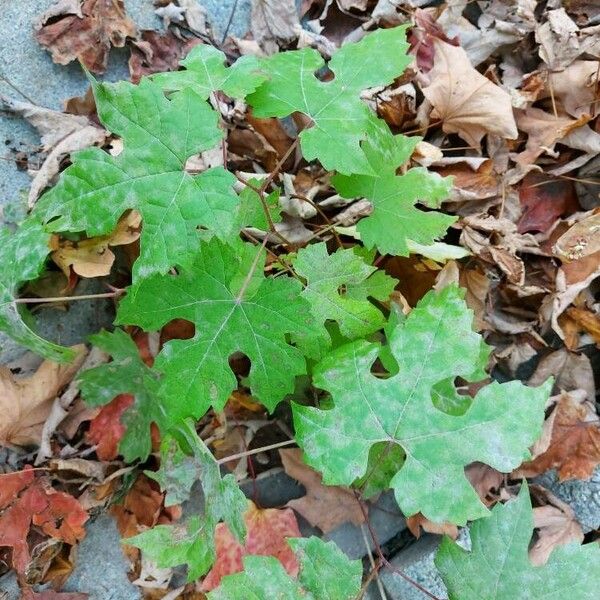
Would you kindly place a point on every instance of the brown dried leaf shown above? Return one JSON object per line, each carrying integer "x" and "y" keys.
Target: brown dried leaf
{"x": 544, "y": 131}
{"x": 582, "y": 239}
{"x": 586, "y": 320}
{"x": 25, "y": 402}
{"x": 87, "y": 35}
{"x": 464, "y": 100}
{"x": 155, "y": 52}
{"x": 324, "y": 506}
{"x": 576, "y": 88}
{"x": 92, "y": 257}
{"x": 574, "y": 448}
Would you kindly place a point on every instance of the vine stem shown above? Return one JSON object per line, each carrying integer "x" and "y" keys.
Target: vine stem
{"x": 114, "y": 294}
{"x": 255, "y": 451}
{"x": 383, "y": 559}
{"x": 267, "y": 182}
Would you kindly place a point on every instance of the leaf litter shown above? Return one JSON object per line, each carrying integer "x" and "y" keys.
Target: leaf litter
{"x": 505, "y": 98}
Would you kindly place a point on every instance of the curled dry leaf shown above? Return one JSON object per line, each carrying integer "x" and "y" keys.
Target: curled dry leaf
{"x": 418, "y": 522}
{"x": 324, "y": 506}
{"x": 586, "y": 320}
{"x": 86, "y": 35}
{"x": 574, "y": 447}
{"x": 25, "y": 402}
{"x": 61, "y": 135}
{"x": 92, "y": 257}
{"x": 274, "y": 21}
{"x": 464, "y": 100}
{"x": 267, "y": 532}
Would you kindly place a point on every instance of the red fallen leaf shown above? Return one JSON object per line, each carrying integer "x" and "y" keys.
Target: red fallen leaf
{"x": 106, "y": 429}
{"x": 13, "y": 483}
{"x": 544, "y": 199}
{"x": 422, "y": 36}
{"x": 267, "y": 531}
{"x": 59, "y": 515}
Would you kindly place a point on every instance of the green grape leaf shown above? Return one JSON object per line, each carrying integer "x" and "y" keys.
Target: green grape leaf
{"x": 498, "y": 567}
{"x": 206, "y": 72}
{"x": 127, "y": 374}
{"x": 159, "y": 135}
{"x": 339, "y": 286}
{"x": 235, "y": 309}
{"x": 395, "y": 220}
{"x": 435, "y": 343}
{"x": 23, "y": 256}
{"x": 192, "y": 542}
{"x": 340, "y": 119}
{"x": 326, "y": 573}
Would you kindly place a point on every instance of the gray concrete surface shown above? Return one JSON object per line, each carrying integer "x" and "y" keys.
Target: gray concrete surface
{"x": 582, "y": 495}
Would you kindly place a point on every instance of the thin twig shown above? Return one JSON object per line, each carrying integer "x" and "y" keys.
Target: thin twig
{"x": 114, "y": 294}
{"x": 227, "y": 27}
{"x": 385, "y": 561}
{"x": 255, "y": 451}
{"x": 267, "y": 182}
{"x": 322, "y": 213}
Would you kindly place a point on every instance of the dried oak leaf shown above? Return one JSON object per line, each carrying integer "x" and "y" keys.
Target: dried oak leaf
{"x": 464, "y": 100}
{"x": 266, "y": 533}
{"x": 86, "y": 35}
{"x": 92, "y": 257}
{"x": 57, "y": 514}
{"x": 324, "y": 506}
{"x": 574, "y": 448}
{"x": 25, "y": 402}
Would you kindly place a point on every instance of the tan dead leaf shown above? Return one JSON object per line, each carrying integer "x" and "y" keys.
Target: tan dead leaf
{"x": 25, "y": 402}
{"x": 86, "y": 35}
{"x": 92, "y": 257}
{"x": 580, "y": 240}
{"x": 418, "y": 522}
{"x": 561, "y": 41}
{"x": 544, "y": 131}
{"x": 574, "y": 448}
{"x": 464, "y": 100}
{"x": 274, "y": 21}
{"x": 576, "y": 88}
{"x": 556, "y": 525}
{"x": 324, "y": 506}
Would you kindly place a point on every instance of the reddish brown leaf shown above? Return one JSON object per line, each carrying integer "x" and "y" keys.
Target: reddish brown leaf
{"x": 421, "y": 39}
{"x": 87, "y": 36}
{"x": 52, "y": 595}
{"x": 59, "y": 515}
{"x": 13, "y": 483}
{"x": 574, "y": 448}
{"x": 418, "y": 522}
{"x": 544, "y": 199}
{"x": 155, "y": 52}
{"x": 267, "y": 531}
